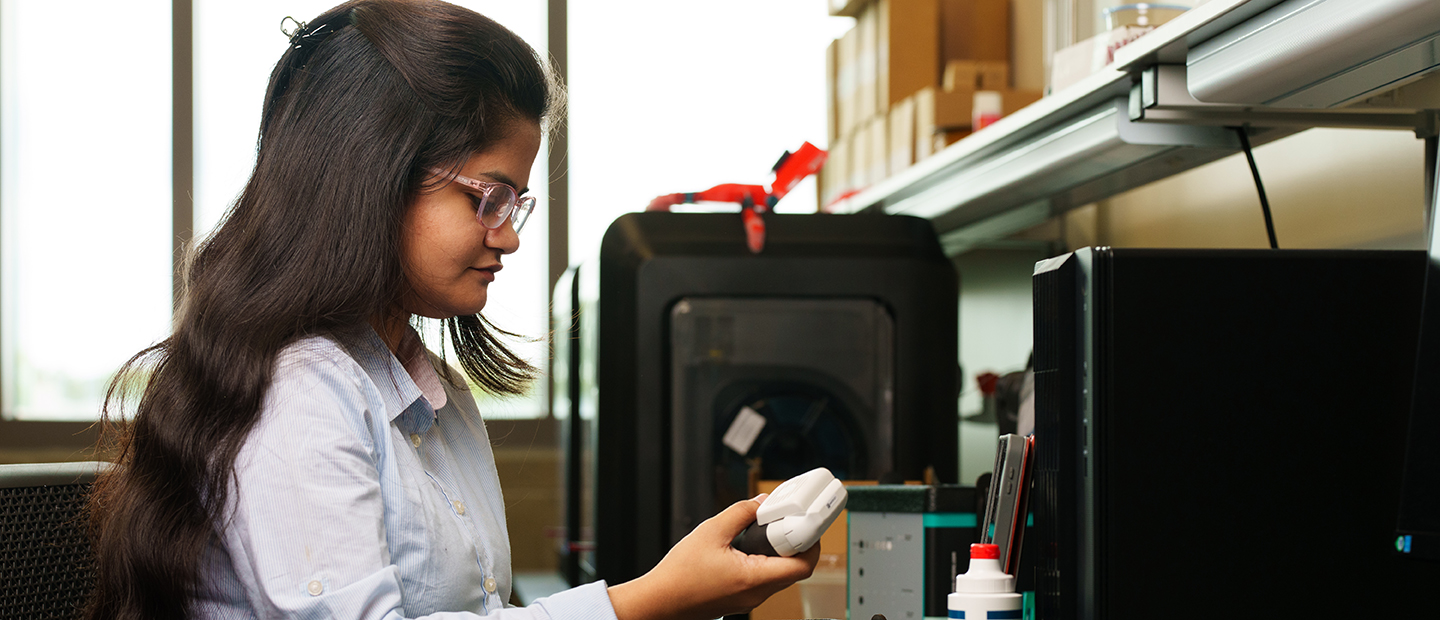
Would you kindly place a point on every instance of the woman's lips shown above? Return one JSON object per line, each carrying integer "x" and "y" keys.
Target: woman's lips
{"x": 488, "y": 272}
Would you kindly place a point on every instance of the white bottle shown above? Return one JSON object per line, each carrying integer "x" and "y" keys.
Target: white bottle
{"x": 984, "y": 591}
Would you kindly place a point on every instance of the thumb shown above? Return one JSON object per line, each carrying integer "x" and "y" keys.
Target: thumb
{"x": 733, "y": 520}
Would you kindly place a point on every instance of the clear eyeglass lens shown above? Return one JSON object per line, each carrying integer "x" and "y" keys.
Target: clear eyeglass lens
{"x": 522, "y": 212}
{"x": 498, "y": 202}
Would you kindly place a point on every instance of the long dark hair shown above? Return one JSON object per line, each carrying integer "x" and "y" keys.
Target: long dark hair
{"x": 369, "y": 96}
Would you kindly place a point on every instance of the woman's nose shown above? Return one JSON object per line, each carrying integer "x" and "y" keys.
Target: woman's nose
{"x": 503, "y": 238}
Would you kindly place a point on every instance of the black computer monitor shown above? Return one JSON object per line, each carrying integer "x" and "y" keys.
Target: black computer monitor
{"x": 1417, "y": 530}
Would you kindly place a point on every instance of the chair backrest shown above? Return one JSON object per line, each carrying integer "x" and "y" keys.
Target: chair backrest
{"x": 46, "y": 562}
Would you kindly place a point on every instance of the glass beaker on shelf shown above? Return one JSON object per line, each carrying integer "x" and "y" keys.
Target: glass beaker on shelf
{"x": 1140, "y": 14}
{"x": 1111, "y": 14}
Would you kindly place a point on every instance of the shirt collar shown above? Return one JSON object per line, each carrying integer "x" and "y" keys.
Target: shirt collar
{"x": 416, "y": 361}
{"x": 400, "y": 391}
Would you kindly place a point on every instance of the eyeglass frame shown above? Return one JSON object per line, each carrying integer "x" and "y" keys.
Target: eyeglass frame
{"x": 519, "y": 210}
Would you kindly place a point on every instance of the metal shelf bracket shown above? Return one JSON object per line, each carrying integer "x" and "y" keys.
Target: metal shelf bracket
{"x": 1162, "y": 96}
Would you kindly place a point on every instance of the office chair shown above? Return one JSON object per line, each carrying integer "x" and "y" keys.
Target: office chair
{"x": 46, "y": 565}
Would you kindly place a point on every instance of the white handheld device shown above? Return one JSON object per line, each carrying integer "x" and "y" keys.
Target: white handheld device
{"x": 794, "y": 516}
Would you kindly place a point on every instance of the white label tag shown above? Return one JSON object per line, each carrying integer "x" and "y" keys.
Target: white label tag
{"x": 743, "y": 431}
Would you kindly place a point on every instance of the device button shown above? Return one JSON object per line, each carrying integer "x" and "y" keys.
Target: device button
{"x": 315, "y": 588}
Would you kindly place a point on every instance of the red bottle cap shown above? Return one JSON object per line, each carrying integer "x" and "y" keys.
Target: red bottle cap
{"x": 984, "y": 552}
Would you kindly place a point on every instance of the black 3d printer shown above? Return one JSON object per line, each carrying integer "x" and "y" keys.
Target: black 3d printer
{"x": 694, "y": 365}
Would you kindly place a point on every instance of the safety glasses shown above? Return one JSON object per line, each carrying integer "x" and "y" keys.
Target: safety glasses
{"x": 494, "y": 202}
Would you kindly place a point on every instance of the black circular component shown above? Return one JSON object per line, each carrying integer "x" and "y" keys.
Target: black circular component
{"x": 806, "y": 426}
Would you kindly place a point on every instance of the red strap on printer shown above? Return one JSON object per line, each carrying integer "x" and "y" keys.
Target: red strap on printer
{"x": 754, "y": 200}
{"x": 754, "y": 229}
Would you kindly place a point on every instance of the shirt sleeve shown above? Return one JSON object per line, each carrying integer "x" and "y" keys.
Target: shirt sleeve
{"x": 305, "y": 530}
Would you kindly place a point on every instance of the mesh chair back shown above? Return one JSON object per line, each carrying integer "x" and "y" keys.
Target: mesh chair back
{"x": 46, "y": 563}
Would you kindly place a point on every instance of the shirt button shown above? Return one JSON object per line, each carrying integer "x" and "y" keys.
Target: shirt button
{"x": 490, "y": 585}
{"x": 414, "y": 440}
{"x": 459, "y": 507}
{"x": 315, "y": 588}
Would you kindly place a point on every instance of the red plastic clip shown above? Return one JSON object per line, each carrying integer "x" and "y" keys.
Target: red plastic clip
{"x": 754, "y": 230}
{"x": 754, "y": 200}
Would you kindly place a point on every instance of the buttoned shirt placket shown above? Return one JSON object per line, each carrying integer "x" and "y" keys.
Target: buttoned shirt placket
{"x": 417, "y": 421}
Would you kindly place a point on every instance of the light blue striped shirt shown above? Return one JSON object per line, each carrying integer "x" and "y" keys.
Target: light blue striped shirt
{"x": 353, "y": 498}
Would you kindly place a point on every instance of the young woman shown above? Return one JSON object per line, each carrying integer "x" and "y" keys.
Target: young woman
{"x": 295, "y": 452}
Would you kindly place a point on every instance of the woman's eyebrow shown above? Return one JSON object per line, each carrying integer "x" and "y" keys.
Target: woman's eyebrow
{"x": 503, "y": 178}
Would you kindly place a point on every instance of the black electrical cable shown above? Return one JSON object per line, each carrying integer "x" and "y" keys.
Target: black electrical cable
{"x": 1259, "y": 187}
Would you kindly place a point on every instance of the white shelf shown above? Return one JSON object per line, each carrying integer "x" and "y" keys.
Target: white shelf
{"x": 1130, "y": 124}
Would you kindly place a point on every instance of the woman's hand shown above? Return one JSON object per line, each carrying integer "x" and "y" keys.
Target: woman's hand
{"x": 704, "y": 577}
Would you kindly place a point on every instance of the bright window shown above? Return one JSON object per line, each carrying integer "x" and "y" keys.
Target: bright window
{"x": 672, "y": 96}
{"x": 85, "y": 198}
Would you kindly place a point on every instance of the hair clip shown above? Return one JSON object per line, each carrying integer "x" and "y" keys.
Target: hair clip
{"x": 293, "y": 32}
{"x": 300, "y": 32}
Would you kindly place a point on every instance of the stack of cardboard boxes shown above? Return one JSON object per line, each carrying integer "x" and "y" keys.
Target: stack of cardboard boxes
{"x": 902, "y": 83}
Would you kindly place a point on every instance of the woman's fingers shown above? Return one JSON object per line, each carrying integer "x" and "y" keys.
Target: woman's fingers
{"x": 786, "y": 570}
{"x": 731, "y": 521}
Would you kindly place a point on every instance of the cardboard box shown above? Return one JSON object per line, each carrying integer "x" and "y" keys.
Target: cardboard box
{"x": 783, "y": 605}
{"x": 860, "y": 158}
{"x": 822, "y": 182}
{"x": 835, "y": 174}
{"x": 924, "y": 123}
{"x": 902, "y": 135}
{"x": 975, "y": 30}
{"x": 846, "y": 81}
{"x": 953, "y": 109}
{"x": 909, "y": 42}
{"x": 1027, "y": 45}
{"x": 976, "y": 75}
{"x": 949, "y": 113}
{"x": 866, "y": 60}
{"x": 820, "y": 191}
{"x": 847, "y": 8}
{"x": 946, "y": 138}
{"x": 832, "y": 113}
{"x": 879, "y": 158}
{"x": 1085, "y": 58}
{"x": 881, "y": 10}
{"x": 899, "y": 47}
{"x": 825, "y": 180}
